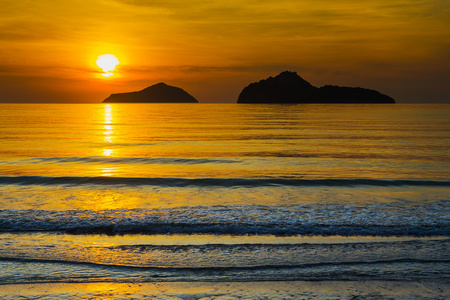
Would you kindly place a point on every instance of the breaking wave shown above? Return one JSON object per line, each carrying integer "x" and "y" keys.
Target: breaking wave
{"x": 328, "y": 219}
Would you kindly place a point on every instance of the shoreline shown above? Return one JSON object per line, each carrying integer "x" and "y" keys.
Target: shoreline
{"x": 226, "y": 290}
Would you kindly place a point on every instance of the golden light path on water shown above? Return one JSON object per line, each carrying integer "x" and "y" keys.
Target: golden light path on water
{"x": 108, "y": 133}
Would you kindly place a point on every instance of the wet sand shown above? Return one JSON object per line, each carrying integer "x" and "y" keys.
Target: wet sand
{"x": 232, "y": 290}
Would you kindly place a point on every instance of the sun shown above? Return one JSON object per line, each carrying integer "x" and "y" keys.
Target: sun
{"x": 107, "y": 62}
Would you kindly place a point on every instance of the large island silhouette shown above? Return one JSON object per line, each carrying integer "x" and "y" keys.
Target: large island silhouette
{"x": 158, "y": 93}
{"x": 289, "y": 87}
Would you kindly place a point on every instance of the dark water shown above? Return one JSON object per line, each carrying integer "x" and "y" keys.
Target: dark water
{"x": 158, "y": 193}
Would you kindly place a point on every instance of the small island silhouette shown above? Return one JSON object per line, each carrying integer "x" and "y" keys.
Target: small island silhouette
{"x": 289, "y": 87}
{"x": 158, "y": 93}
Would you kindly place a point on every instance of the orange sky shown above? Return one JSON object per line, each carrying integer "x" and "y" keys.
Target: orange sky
{"x": 213, "y": 49}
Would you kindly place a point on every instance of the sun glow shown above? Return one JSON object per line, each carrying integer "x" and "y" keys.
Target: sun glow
{"x": 107, "y": 62}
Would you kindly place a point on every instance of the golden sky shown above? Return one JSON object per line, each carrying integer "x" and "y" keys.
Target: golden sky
{"x": 213, "y": 49}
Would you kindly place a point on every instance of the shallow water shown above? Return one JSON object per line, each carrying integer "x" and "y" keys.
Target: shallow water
{"x": 222, "y": 192}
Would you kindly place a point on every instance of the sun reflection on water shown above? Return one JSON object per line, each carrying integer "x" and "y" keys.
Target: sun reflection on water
{"x": 108, "y": 129}
{"x": 108, "y": 133}
{"x": 108, "y": 171}
{"x": 108, "y": 152}
{"x": 108, "y": 114}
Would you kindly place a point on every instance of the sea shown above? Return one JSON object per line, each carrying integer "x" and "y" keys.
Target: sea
{"x": 149, "y": 193}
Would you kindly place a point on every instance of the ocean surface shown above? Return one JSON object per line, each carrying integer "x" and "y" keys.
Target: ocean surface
{"x": 223, "y": 192}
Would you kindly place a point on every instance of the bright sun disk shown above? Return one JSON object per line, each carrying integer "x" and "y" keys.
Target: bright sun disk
{"x": 107, "y": 62}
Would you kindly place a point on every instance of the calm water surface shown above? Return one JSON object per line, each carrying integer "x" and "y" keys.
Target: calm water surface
{"x": 223, "y": 192}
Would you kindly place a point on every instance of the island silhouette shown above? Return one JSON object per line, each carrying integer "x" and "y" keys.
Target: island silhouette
{"x": 289, "y": 87}
{"x": 158, "y": 93}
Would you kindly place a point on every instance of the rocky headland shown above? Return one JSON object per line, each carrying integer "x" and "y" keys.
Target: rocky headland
{"x": 158, "y": 93}
{"x": 289, "y": 87}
